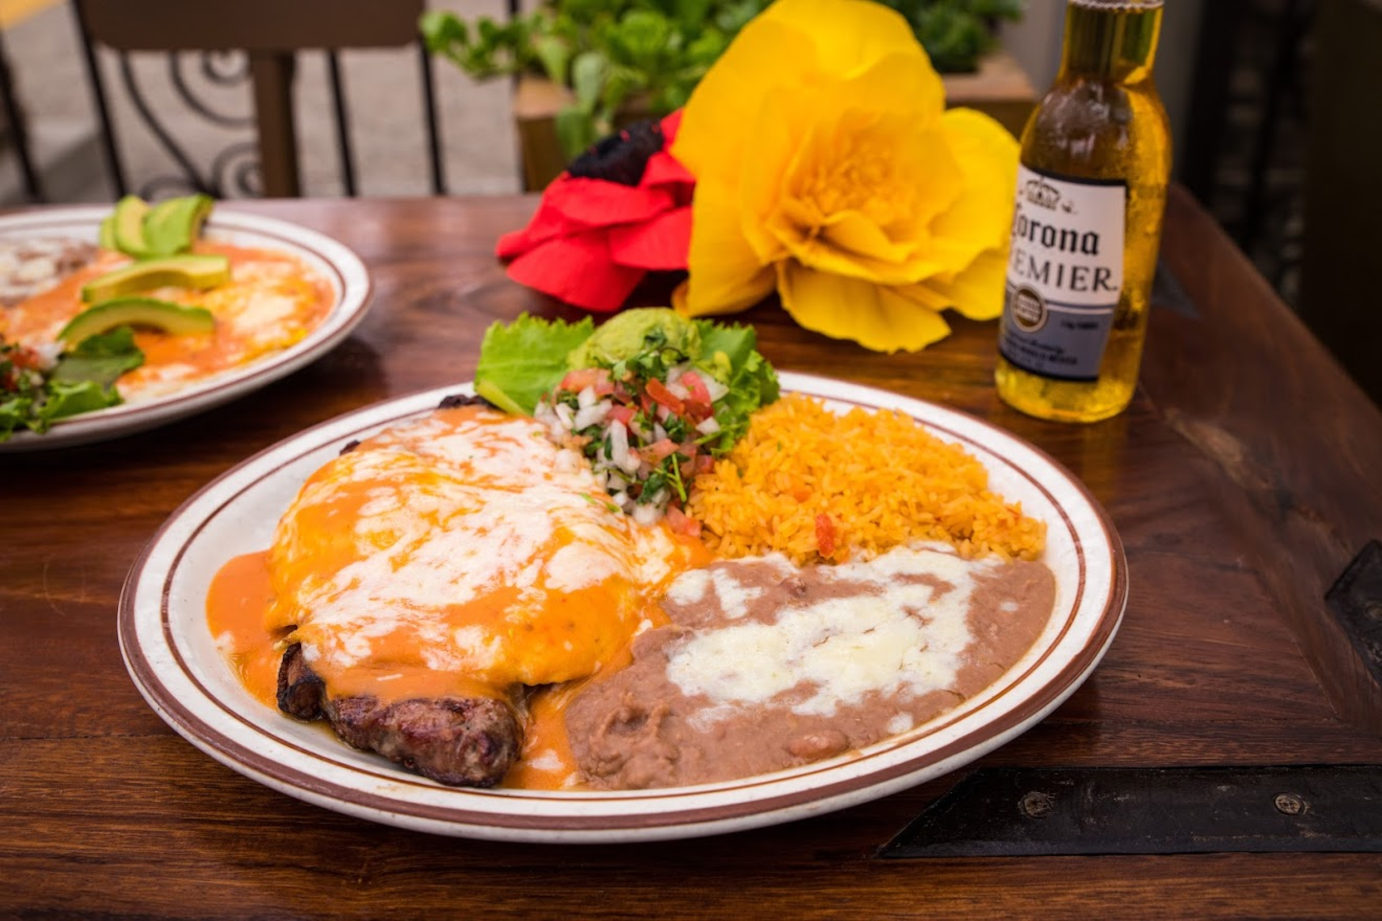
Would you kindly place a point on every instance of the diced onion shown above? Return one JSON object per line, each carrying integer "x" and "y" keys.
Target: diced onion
{"x": 586, "y": 399}
{"x": 708, "y": 426}
{"x": 564, "y": 414}
{"x": 593, "y": 414}
{"x": 618, "y": 444}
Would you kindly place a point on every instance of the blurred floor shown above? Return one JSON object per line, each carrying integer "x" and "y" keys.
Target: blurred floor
{"x": 383, "y": 88}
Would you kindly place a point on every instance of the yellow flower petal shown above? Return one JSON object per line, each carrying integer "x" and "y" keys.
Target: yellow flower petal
{"x": 721, "y": 118}
{"x": 839, "y": 247}
{"x": 975, "y": 291}
{"x": 981, "y": 217}
{"x": 777, "y": 144}
{"x": 873, "y": 315}
{"x": 850, "y": 35}
{"x": 729, "y": 276}
{"x": 826, "y": 165}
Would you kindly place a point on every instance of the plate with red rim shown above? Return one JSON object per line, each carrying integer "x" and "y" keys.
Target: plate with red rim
{"x": 173, "y": 660}
{"x": 332, "y": 260}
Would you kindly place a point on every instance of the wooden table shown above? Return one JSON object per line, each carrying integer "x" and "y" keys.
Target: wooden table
{"x": 1243, "y": 479}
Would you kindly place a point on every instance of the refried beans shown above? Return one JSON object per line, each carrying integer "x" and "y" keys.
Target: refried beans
{"x": 765, "y": 666}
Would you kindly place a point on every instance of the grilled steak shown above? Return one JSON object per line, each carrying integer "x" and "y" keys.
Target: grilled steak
{"x": 300, "y": 691}
{"x": 457, "y": 400}
{"x": 463, "y": 742}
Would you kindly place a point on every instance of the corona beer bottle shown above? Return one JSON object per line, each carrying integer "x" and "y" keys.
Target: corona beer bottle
{"x": 1091, "y": 189}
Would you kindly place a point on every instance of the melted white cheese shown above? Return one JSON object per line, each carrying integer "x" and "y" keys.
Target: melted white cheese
{"x": 451, "y": 514}
{"x": 897, "y": 638}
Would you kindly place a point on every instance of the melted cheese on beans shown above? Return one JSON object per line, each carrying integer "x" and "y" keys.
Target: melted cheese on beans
{"x": 893, "y": 635}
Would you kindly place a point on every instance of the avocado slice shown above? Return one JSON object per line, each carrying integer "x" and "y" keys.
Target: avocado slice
{"x": 130, "y": 212}
{"x": 172, "y": 226}
{"x": 137, "y": 311}
{"x": 106, "y": 240}
{"x": 185, "y": 271}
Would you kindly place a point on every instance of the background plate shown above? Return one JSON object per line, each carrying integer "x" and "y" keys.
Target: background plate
{"x": 173, "y": 660}
{"x": 342, "y": 269}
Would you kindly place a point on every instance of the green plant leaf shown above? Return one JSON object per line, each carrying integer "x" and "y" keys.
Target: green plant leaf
{"x": 643, "y": 35}
{"x": 691, "y": 14}
{"x": 442, "y": 28}
{"x": 555, "y": 55}
{"x": 588, "y": 72}
{"x": 621, "y": 83}
{"x": 575, "y": 130}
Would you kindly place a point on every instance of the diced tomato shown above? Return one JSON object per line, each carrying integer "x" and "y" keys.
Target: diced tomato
{"x": 24, "y": 357}
{"x": 622, "y": 414}
{"x": 581, "y": 378}
{"x": 825, "y": 535}
{"x": 663, "y": 397}
{"x": 658, "y": 450}
{"x": 688, "y": 449}
{"x": 704, "y": 463}
{"x": 699, "y": 391}
{"x": 696, "y": 410}
{"x": 682, "y": 523}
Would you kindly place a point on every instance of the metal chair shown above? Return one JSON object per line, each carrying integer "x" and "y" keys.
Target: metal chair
{"x": 270, "y": 33}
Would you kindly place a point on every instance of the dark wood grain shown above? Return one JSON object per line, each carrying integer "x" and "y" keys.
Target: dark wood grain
{"x": 1241, "y": 480}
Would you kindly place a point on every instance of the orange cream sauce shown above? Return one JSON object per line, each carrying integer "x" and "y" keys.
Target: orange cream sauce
{"x": 270, "y": 303}
{"x": 392, "y": 568}
{"x": 236, "y": 603}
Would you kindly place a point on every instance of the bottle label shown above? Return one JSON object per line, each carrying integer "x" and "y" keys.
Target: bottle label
{"x": 1065, "y": 272}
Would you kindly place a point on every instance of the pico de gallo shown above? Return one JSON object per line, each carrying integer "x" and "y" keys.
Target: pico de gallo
{"x": 650, "y": 399}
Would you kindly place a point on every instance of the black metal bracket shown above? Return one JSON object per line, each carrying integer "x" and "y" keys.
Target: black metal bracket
{"x": 1171, "y": 810}
{"x": 1356, "y": 601}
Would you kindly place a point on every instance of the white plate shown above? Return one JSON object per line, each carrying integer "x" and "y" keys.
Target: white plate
{"x": 170, "y": 654}
{"x": 341, "y": 268}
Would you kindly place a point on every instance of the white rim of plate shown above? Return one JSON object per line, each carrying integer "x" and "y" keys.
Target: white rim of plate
{"x": 165, "y": 641}
{"x": 333, "y": 260}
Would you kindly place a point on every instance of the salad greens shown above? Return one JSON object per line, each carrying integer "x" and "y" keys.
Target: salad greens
{"x": 34, "y": 394}
{"x": 525, "y": 360}
{"x": 650, "y": 398}
{"x": 521, "y": 362}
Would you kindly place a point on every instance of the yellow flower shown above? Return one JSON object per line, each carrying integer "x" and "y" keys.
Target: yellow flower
{"x": 828, "y": 168}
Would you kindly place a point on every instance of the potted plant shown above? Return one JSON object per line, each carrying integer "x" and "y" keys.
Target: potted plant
{"x": 586, "y": 67}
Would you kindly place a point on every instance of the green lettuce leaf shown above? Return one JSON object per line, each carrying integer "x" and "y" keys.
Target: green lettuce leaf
{"x": 100, "y": 359}
{"x": 14, "y": 412}
{"x": 70, "y": 398}
{"x": 83, "y": 380}
{"x": 730, "y": 353}
{"x": 525, "y": 359}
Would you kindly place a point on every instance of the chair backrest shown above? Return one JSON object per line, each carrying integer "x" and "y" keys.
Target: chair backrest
{"x": 270, "y": 32}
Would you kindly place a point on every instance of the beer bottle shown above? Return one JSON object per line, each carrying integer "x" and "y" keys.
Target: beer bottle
{"x": 1091, "y": 189}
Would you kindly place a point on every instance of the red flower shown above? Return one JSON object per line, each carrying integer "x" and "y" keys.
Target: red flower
{"x": 620, "y": 210}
